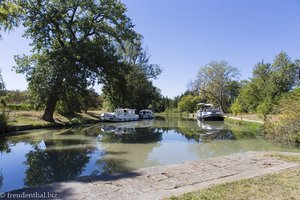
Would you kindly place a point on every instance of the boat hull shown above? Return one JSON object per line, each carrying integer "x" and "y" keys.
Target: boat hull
{"x": 146, "y": 117}
{"x": 212, "y": 117}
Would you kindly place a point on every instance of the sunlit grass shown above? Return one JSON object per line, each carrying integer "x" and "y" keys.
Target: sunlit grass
{"x": 281, "y": 185}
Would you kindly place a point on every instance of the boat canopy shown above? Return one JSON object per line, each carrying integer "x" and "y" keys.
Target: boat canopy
{"x": 205, "y": 104}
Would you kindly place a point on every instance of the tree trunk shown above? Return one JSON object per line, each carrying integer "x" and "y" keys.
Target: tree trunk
{"x": 50, "y": 107}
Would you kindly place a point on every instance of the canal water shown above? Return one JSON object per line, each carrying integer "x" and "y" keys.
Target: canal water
{"x": 44, "y": 156}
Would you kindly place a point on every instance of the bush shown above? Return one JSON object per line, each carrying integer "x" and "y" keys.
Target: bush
{"x": 286, "y": 128}
{"x": 22, "y": 107}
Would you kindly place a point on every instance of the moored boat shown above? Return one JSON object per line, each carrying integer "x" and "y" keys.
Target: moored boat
{"x": 120, "y": 115}
{"x": 146, "y": 114}
{"x": 208, "y": 112}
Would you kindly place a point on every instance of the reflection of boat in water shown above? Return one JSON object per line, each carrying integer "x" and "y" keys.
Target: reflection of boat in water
{"x": 208, "y": 112}
{"x": 210, "y": 127}
{"x": 124, "y": 128}
{"x": 213, "y": 130}
{"x": 120, "y": 115}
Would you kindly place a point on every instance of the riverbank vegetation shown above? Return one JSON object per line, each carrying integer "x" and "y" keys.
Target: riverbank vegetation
{"x": 286, "y": 126}
{"x": 76, "y": 45}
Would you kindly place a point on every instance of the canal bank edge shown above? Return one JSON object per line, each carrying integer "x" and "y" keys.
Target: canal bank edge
{"x": 163, "y": 181}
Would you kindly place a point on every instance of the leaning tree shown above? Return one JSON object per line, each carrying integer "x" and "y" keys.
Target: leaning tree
{"x": 74, "y": 46}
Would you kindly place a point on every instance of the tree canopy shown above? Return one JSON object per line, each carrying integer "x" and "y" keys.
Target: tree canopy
{"x": 268, "y": 84}
{"x": 214, "y": 81}
{"x": 75, "y": 45}
{"x": 131, "y": 86}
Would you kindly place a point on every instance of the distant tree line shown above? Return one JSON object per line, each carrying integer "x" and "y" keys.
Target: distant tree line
{"x": 218, "y": 83}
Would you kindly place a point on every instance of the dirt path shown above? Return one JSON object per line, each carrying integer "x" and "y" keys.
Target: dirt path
{"x": 245, "y": 119}
{"x": 164, "y": 181}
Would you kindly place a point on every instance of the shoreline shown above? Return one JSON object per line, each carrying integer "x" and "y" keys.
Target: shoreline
{"x": 14, "y": 129}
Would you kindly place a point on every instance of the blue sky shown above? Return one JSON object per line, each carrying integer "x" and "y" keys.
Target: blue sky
{"x": 181, "y": 36}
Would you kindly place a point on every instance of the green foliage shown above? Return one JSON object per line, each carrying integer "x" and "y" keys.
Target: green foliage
{"x": 287, "y": 125}
{"x": 131, "y": 86}
{"x": 134, "y": 91}
{"x": 9, "y": 12}
{"x": 17, "y": 97}
{"x": 189, "y": 103}
{"x": 216, "y": 81}
{"x": 269, "y": 83}
{"x": 24, "y": 107}
{"x": 75, "y": 45}
{"x": 2, "y": 85}
{"x": 4, "y": 116}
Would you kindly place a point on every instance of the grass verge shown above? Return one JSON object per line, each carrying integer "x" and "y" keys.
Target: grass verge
{"x": 281, "y": 185}
{"x": 24, "y": 120}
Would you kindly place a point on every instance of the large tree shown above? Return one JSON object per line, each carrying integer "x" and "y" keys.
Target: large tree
{"x": 131, "y": 86}
{"x": 268, "y": 84}
{"x": 74, "y": 44}
{"x": 214, "y": 81}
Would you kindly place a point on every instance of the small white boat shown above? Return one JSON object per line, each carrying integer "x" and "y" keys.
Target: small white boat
{"x": 120, "y": 115}
{"x": 146, "y": 114}
{"x": 208, "y": 112}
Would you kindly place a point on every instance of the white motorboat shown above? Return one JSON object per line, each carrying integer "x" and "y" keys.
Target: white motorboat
{"x": 146, "y": 114}
{"x": 120, "y": 115}
{"x": 208, "y": 112}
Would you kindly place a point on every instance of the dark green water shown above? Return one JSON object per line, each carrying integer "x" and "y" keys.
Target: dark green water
{"x": 45, "y": 156}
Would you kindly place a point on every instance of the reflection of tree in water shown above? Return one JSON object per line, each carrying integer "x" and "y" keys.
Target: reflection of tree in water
{"x": 55, "y": 163}
{"x": 4, "y": 148}
{"x": 1, "y": 179}
{"x": 184, "y": 126}
{"x": 126, "y": 146}
{"x": 200, "y": 131}
{"x": 4, "y": 145}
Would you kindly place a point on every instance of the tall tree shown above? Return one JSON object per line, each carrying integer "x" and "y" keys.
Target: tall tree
{"x": 74, "y": 46}
{"x": 131, "y": 86}
{"x": 212, "y": 81}
{"x": 268, "y": 84}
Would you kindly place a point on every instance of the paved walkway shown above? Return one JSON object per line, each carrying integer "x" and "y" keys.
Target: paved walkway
{"x": 164, "y": 181}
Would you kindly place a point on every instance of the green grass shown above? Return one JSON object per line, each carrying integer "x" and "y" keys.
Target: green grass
{"x": 242, "y": 129}
{"x": 282, "y": 185}
{"x": 33, "y": 119}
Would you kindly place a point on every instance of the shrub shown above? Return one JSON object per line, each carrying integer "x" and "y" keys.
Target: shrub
{"x": 286, "y": 127}
{"x": 22, "y": 107}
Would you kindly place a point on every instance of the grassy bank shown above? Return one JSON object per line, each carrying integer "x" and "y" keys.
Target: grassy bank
{"x": 243, "y": 129}
{"x": 282, "y": 185}
{"x": 24, "y": 120}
